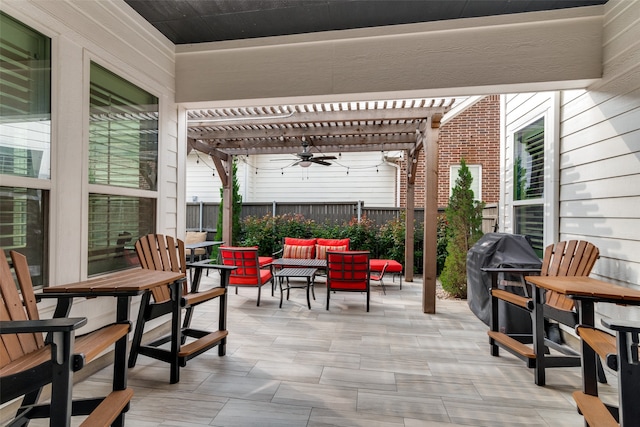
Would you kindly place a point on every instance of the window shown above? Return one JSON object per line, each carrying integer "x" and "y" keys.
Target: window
{"x": 528, "y": 187}
{"x": 123, "y": 155}
{"x": 476, "y": 184}
{"x": 25, "y": 140}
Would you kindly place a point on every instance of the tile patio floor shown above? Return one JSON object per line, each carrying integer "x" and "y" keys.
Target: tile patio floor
{"x": 391, "y": 367}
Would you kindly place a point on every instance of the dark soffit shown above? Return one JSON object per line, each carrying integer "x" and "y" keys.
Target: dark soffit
{"x": 198, "y": 21}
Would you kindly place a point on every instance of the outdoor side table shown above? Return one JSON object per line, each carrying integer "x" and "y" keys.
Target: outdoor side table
{"x": 306, "y": 273}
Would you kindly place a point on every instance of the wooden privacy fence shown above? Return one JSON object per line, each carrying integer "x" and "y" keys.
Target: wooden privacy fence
{"x": 204, "y": 216}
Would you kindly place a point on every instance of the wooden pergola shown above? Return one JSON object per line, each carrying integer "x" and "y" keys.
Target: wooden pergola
{"x": 401, "y": 125}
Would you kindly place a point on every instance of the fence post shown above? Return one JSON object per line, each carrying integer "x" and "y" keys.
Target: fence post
{"x": 273, "y": 209}
{"x": 359, "y": 210}
{"x": 201, "y": 213}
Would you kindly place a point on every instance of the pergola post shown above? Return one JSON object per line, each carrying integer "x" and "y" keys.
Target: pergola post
{"x": 224, "y": 166}
{"x": 227, "y": 205}
{"x": 430, "y": 130}
{"x": 409, "y": 238}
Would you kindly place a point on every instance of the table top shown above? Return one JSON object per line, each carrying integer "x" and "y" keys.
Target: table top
{"x": 296, "y": 272}
{"x": 586, "y": 287}
{"x": 209, "y": 263}
{"x": 300, "y": 262}
{"x": 204, "y": 244}
{"x": 132, "y": 281}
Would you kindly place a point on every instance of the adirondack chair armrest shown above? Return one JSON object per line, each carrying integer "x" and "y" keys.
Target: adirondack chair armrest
{"x": 59, "y": 330}
{"x": 64, "y": 324}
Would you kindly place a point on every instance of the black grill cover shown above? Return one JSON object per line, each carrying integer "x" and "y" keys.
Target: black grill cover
{"x": 498, "y": 250}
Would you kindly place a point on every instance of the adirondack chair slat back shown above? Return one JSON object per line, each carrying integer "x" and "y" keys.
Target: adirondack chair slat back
{"x": 157, "y": 252}
{"x": 570, "y": 258}
{"x": 13, "y": 308}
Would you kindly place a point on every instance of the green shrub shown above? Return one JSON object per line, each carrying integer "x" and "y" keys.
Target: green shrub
{"x": 362, "y": 235}
{"x": 464, "y": 228}
{"x": 442, "y": 244}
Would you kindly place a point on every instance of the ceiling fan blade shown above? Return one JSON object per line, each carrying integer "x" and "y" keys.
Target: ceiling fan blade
{"x": 320, "y": 162}
{"x": 325, "y": 157}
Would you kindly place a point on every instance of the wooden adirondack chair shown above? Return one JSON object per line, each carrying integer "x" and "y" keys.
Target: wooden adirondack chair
{"x": 28, "y": 362}
{"x": 566, "y": 258}
{"x": 157, "y": 252}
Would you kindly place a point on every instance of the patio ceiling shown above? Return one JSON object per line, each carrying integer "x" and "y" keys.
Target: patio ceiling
{"x": 327, "y": 128}
{"x": 198, "y": 21}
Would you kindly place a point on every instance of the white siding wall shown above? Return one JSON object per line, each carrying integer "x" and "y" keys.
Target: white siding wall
{"x": 201, "y": 182}
{"x": 263, "y": 179}
{"x": 112, "y": 35}
{"x": 599, "y": 156}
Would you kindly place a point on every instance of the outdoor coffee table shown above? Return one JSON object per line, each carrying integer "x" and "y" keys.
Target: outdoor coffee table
{"x": 306, "y": 273}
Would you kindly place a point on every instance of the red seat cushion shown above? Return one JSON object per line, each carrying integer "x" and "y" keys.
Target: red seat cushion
{"x": 265, "y": 276}
{"x": 378, "y": 264}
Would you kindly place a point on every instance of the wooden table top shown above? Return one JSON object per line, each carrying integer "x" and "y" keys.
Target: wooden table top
{"x": 134, "y": 280}
{"x": 586, "y": 287}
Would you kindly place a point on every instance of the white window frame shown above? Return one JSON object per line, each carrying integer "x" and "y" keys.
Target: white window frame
{"x": 550, "y": 110}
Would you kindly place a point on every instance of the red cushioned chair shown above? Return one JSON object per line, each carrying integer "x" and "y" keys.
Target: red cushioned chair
{"x": 248, "y": 273}
{"x": 348, "y": 271}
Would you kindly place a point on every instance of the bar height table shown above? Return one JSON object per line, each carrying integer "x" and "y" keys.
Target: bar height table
{"x": 586, "y": 292}
{"x": 122, "y": 285}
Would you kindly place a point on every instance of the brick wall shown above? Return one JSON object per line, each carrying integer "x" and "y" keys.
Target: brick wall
{"x": 475, "y": 135}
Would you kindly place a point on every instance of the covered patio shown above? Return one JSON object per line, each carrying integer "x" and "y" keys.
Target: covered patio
{"x": 393, "y": 366}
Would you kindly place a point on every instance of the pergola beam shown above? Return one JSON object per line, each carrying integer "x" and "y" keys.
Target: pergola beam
{"x": 324, "y": 145}
{"x": 298, "y": 132}
{"x": 337, "y": 116}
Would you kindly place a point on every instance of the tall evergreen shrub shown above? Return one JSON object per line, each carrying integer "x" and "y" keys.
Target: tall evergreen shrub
{"x": 464, "y": 228}
{"x": 236, "y": 199}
